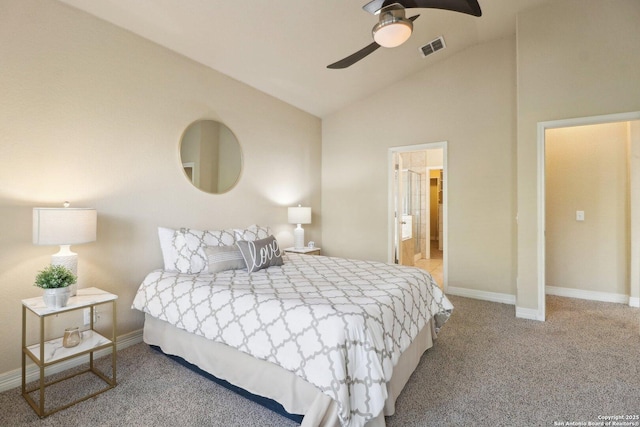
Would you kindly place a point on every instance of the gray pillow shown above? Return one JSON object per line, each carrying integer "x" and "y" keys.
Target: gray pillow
{"x": 260, "y": 254}
{"x": 223, "y": 258}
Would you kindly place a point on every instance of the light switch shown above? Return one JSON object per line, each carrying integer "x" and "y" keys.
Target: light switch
{"x": 579, "y": 215}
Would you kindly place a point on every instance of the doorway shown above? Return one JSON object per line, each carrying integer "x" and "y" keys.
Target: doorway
{"x": 586, "y": 215}
{"x": 417, "y": 208}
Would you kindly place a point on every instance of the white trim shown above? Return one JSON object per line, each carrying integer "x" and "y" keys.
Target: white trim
{"x": 542, "y": 127}
{"x": 593, "y": 120}
{"x": 521, "y": 312}
{"x": 589, "y": 295}
{"x": 528, "y": 313}
{"x": 634, "y": 302}
{"x": 445, "y": 201}
{"x": 482, "y": 295}
{"x": 195, "y": 173}
{"x": 13, "y": 379}
{"x": 541, "y": 312}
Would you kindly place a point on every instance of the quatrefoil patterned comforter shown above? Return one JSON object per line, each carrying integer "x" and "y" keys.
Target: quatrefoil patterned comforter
{"x": 339, "y": 324}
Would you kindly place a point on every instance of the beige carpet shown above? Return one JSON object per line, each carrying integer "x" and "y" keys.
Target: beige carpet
{"x": 487, "y": 368}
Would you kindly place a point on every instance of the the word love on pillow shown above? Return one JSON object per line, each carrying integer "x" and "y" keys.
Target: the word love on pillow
{"x": 260, "y": 254}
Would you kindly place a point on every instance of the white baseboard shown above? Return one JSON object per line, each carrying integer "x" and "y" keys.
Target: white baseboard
{"x": 533, "y": 314}
{"x": 529, "y": 313}
{"x": 588, "y": 295}
{"x": 522, "y": 313}
{"x": 482, "y": 295}
{"x": 13, "y": 379}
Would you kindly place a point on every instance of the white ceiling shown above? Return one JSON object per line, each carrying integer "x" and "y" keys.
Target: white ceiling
{"x": 282, "y": 47}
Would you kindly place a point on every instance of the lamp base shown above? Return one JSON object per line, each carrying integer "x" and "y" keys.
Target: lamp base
{"x": 67, "y": 259}
{"x": 298, "y": 237}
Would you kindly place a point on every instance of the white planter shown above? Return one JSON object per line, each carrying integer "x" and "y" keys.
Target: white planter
{"x": 56, "y": 297}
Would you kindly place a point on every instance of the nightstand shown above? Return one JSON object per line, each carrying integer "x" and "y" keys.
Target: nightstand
{"x": 47, "y": 353}
{"x": 304, "y": 251}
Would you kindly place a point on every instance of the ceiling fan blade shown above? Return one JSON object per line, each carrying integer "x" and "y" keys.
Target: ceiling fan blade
{"x": 353, "y": 58}
{"x": 470, "y": 7}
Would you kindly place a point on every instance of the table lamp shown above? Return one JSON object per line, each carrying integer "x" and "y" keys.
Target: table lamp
{"x": 65, "y": 227}
{"x": 299, "y": 215}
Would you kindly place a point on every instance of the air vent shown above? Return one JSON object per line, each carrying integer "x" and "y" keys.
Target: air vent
{"x": 433, "y": 46}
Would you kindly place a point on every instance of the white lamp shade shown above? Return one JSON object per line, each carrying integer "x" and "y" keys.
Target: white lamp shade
{"x": 64, "y": 226}
{"x": 299, "y": 215}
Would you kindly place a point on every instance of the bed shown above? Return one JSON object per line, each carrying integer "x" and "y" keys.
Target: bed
{"x": 332, "y": 339}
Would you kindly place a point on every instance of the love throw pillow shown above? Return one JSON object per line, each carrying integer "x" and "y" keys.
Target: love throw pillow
{"x": 260, "y": 254}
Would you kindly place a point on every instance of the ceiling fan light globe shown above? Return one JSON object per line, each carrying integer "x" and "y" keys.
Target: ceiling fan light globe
{"x": 393, "y": 34}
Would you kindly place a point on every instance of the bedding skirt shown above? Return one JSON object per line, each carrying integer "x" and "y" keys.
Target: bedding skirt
{"x": 269, "y": 380}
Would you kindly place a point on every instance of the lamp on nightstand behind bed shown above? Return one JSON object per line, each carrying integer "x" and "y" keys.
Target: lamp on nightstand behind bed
{"x": 299, "y": 215}
{"x": 65, "y": 227}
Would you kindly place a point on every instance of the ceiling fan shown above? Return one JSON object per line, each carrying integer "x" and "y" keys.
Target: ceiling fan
{"x": 393, "y": 28}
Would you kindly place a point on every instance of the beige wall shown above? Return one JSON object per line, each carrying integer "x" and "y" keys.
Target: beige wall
{"x": 467, "y": 100}
{"x": 586, "y": 170}
{"x": 93, "y": 114}
{"x": 575, "y": 58}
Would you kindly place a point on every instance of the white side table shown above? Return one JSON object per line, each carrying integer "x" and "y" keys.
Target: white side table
{"x": 304, "y": 251}
{"x": 47, "y": 353}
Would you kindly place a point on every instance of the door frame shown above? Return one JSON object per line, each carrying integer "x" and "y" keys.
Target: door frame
{"x": 554, "y": 124}
{"x": 391, "y": 220}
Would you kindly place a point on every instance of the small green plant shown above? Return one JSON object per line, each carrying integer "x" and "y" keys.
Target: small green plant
{"x": 55, "y": 276}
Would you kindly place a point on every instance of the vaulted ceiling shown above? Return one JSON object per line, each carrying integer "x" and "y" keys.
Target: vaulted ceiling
{"x": 282, "y": 47}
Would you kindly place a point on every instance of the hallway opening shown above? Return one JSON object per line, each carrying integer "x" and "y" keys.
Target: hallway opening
{"x": 589, "y": 211}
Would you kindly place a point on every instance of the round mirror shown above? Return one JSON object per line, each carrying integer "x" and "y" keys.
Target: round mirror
{"x": 211, "y": 156}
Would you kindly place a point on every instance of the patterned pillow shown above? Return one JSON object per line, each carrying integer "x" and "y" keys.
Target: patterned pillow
{"x": 253, "y": 232}
{"x": 223, "y": 258}
{"x": 259, "y": 254}
{"x": 189, "y": 245}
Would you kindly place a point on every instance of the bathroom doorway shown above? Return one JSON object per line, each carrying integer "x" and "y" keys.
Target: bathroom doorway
{"x": 417, "y": 208}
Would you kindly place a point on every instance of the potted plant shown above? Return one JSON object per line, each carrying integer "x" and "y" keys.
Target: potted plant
{"x": 55, "y": 281}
